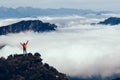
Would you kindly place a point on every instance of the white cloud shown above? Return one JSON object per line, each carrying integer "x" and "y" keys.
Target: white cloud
{"x": 111, "y": 15}
{"x": 78, "y": 50}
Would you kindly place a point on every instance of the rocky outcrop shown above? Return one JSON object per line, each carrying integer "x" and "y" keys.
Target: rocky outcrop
{"x": 28, "y": 67}
{"x": 111, "y": 21}
{"x": 33, "y": 25}
{"x": 1, "y": 46}
{"x": 117, "y": 79}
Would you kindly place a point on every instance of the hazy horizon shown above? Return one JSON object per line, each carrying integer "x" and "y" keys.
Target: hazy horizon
{"x": 99, "y": 5}
{"x": 56, "y": 8}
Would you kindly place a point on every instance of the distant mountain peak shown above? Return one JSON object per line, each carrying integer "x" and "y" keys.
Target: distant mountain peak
{"x": 111, "y": 21}
{"x": 33, "y": 25}
{"x": 21, "y": 12}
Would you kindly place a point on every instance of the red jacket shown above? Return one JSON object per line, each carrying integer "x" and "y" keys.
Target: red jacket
{"x": 24, "y": 45}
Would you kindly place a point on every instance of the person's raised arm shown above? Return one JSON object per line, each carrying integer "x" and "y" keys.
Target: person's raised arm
{"x": 27, "y": 42}
{"x": 21, "y": 43}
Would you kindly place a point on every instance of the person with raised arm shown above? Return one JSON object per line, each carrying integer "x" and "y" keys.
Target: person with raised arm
{"x": 24, "y": 45}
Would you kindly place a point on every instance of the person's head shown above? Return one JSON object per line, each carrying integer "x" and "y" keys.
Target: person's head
{"x": 24, "y": 44}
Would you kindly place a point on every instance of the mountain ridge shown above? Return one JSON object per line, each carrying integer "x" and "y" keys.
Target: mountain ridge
{"x": 111, "y": 21}
{"x": 28, "y": 67}
{"x": 34, "y": 12}
{"x": 33, "y": 25}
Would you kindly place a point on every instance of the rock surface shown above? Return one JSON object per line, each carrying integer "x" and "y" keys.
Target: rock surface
{"x": 27, "y": 67}
{"x": 111, "y": 21}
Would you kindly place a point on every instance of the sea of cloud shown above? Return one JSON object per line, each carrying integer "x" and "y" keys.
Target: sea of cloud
{"x": 76, "y": 48}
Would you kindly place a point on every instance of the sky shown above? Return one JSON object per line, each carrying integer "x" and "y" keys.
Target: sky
{"x": 111, "y": 5}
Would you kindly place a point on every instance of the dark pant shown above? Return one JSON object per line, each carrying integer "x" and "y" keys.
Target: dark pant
{"x": 24, "y": 51}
